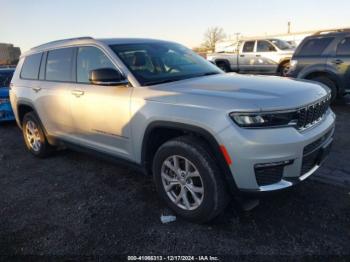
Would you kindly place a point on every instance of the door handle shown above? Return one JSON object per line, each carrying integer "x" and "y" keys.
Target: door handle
{"x": 36, "y": 89}
{"x": 258, "y": 55}
{"x": 77, "y": 93}
{"x": 337, "y": 61}
{"x": 241, "y": 55}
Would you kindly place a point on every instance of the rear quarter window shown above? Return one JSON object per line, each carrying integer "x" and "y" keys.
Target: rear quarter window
{"x": 315, "y": 46}
{"x": 31, "y": 66}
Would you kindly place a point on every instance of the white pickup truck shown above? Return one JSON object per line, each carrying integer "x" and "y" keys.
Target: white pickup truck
{"x": 260, "y": 56}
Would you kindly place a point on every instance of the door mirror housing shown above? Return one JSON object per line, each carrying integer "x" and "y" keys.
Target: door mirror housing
{"x": 107, "y": 77}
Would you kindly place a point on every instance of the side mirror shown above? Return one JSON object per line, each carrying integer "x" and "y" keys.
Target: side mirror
{"x": 107, "y": 77}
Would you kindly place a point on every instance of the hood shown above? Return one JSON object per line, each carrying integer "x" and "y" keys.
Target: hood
{"x": 245, "y": 92}
{"x": 4, "y": 92}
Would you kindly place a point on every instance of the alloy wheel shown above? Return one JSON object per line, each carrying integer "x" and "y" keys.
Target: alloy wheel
{"x": 33, "y": 136}
{"x": 182, "y": 182}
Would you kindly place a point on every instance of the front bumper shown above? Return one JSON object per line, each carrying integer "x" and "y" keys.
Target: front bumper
{"x": 251, "y": 147}
{"x": 6, "y": 113}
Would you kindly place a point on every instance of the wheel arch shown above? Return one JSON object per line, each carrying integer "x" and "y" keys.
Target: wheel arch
{"x": 24, "y": 107}
{"x": 159, "y": 132}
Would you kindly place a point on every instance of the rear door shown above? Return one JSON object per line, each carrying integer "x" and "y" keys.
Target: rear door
{"x": 341, "y": 61}
{"x": 247, "y": 57}
{"x": 54, "y": 92}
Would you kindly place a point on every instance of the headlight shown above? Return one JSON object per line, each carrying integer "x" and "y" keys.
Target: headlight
{"x": 261, "y": 120}
{"x": 4, "y": 101}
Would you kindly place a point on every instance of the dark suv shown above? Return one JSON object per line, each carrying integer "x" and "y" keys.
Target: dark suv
{"x": 324, "y": 57}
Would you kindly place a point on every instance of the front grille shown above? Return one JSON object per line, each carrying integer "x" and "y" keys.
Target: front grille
{"x": 310, "y": 115}
{"x": 268, "y": 175}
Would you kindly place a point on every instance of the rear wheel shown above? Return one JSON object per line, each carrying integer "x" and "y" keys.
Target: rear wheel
{"x": 329, "y": 83}
{"x": 223, "y": 66}
{"x": 188, "y": 179}
{"x": 34, "y": 136}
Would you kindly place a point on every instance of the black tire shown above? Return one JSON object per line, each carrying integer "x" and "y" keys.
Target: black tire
{"x": 45, "y": 148}
{"x": 223, "y": 66}
{"x": 329, "y": 83}
{"x": 283, "y": 69}
{"x": 215, "y": 196}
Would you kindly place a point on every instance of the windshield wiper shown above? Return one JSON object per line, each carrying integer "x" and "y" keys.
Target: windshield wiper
{"x": 180, "y": 78}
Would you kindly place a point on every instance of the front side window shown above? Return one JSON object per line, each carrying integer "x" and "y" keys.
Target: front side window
{"x": 155, "y": 63}
{"x": 90, "y": 58}
{"x": 315, "y": 46}
{"x": 31, "y": 66}
{"x": 248, "y": 47}
{"x": 344, "y": 47}
{"x": 282, "y": 45}
{"x": 264, "y": 46}
{"x": 59, "y": 65}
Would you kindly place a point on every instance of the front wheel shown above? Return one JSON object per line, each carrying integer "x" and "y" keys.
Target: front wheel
{"x": 188, "y": 179}
{"x": 284, "y": 69}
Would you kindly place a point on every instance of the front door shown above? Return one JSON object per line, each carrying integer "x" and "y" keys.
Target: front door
{"x": 100, "y": 113}
{"x": 266, "y": 57}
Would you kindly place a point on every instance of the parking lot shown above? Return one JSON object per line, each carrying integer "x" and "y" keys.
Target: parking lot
{"x": 75, "y": 204}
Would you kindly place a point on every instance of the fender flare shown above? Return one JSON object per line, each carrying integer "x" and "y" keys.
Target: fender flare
{"x": 206, "y": 135}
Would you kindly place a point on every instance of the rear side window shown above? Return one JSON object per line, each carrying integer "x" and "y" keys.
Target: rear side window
{"x": 31, "y": 66}
{"x": 344, "y": 47}
{"x": 5, "y": 78}
{"x": 59, "y": 65}
{"x": 248, "y": 47}
{"x": 315, "y": 46}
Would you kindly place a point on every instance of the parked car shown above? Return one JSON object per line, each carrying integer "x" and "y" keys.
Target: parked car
{"x": 6, "y": 113}
{"x": 158, "y": 106}
{"x": 325, "y": 57}
{"x": 263, "y": 56}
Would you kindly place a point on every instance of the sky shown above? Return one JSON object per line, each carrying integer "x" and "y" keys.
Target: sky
{"x": 27, "y": 23}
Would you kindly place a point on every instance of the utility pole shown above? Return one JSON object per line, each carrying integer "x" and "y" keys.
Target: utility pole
{"x": 237, "y": 36}
{"x": 289, "y": 24}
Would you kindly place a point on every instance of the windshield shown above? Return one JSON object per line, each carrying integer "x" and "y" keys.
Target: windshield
{"x": 155, "y": 63}
{"x": 282, "y": 45}
{"x": 5, "y": 78}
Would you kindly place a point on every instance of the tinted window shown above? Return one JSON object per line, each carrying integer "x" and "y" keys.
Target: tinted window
{"x": 315, "y": 46}
{"x": 31, "y": 65}
{"x": 248, "y": 47}
{"x": 59, "y": 65}
{"x": 344, "y": 47}
{"x": 161, "y": 62}
{"x": 90, "y": 58}
{"x": 5, "y": 78}
{"x": 264, "y": 46}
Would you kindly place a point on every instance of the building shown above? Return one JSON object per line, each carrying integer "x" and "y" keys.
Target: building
{"x": 9, "y": 54}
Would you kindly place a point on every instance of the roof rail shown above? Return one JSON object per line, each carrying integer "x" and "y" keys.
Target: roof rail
{"x": 62, "y": 40}
{"x": 329, "y": 31}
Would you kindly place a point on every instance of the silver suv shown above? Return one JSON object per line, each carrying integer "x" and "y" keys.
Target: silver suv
{"x": 203, "y": 134}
